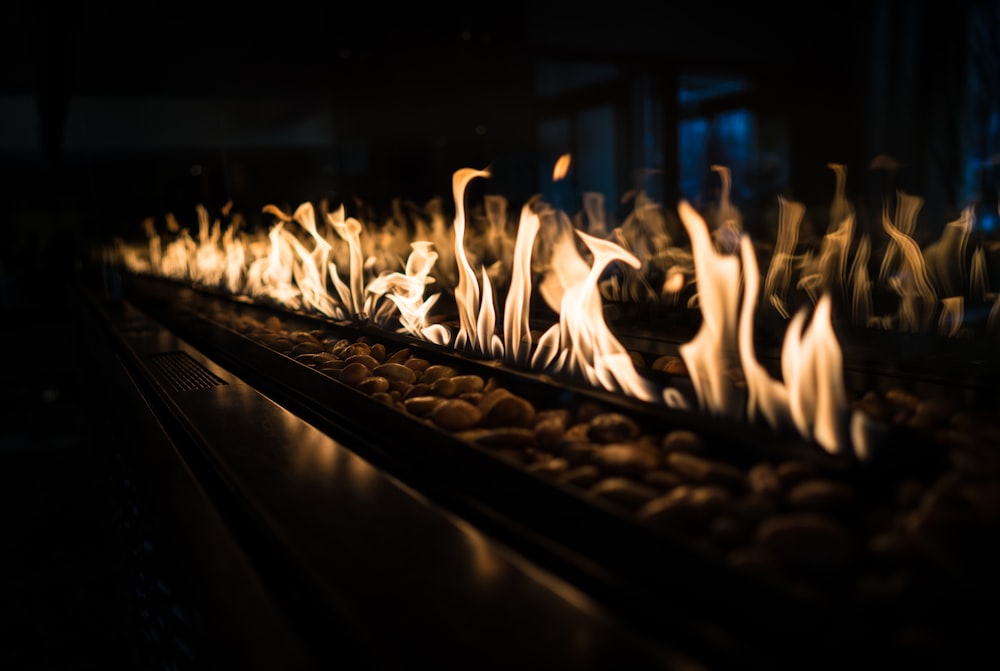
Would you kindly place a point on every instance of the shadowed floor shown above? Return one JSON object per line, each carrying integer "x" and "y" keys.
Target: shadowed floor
{"x": 83, "y": 585}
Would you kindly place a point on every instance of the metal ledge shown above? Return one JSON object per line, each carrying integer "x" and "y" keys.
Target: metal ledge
{"x": 350, "y": 553}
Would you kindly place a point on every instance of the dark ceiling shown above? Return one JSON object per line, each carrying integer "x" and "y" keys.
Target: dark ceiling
{"x": 110, "y": 109}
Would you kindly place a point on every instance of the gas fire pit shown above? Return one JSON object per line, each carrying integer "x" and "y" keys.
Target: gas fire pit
{"x": 846, "y": 495}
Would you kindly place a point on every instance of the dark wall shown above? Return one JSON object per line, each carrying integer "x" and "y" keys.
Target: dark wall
{"x": 112, "y": 111}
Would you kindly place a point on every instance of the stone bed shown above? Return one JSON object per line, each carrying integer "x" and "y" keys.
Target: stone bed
{"x": 906, "y": 537}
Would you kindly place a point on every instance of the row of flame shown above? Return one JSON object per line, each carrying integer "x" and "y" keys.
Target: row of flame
{"x": 301, "y": 272}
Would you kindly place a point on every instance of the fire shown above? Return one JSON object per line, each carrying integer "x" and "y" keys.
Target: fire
{"x": 810, "y": 395}
{"x": 710, "y": 354}
{"x": 582, "y": 338}
{"x": 910, "y": 281}
{"x": 561, "y": 168}
{"x": 516, "y": 327}
{"x": 344, "y": 267}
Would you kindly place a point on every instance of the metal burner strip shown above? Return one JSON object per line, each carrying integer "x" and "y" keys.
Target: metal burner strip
{"x": 179, "y": 372}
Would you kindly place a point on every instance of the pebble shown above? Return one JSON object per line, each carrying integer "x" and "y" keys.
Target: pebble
{"x": 706, "y": 471}
{"x": 580, "y": 475}
{"x": 670, "y": 364}
{"x": 549, "y": 431}
{"x": 468, "y": 384}
{"x": 308, "y": 347}
{"x": 624, "y": 492}
{"x": 577, "y": 452}
{"x": 436, "y": 372}
{"x": 807, "y": 542}
{"x": 455, "y": 414}
{"x": 421, "y": 406}
{"x": 353, "y": 373}
{"x": 366, "y": 360}
{"x": 507, "y": 410}
{"x": 674, "y": 511}
{"x": 416, "y": 364}
{"x": 373, "y": 385}
{"x": 763, "y": 479}
{"x": 793, "y": 471}
{"x": 561, "y": 415}
{"x": 356, "y": 348}
{"x": 825, "y": 496}
{"x": 625, "y": 459}
{"x": 785, "y": 517}
{"x": 661, "y": 478}
{"x": 498, "y": 437}
{"x": 444, "y": 387}
{"x": 549, "y": 466}
{"x": 378, "y": 352}
{"x": 402, "y": 355}
{"x": 395, "y": 372}
{"x": 612, "y": 427}
{"x": 331, "y": 368}
{"x": 682, "y": 440}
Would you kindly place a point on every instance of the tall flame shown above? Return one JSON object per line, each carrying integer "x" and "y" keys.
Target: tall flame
{"x": 582, "y": 337}
{"x": 517, "y": 307}
{"x": 779, "y": 272}
{"x": 710, "y": 354}
{"x": 467, "y": 292}
{"x": 766, "y": 396}
{"x": 298, "y": 266}
{"x": 911, "y": 282}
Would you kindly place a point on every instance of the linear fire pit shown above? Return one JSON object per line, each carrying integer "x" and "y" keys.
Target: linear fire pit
{"x": 756, "y": 530}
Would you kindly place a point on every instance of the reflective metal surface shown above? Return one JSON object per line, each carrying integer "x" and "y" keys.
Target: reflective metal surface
{"x": 361, "y": 554}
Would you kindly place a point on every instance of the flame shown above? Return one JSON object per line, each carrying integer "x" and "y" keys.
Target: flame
{"x": 779, "y": 272}
{"x": 861, "y": 286}
{"x": 517, "y": 307}
{"x": 812, "y": 396}
{"x": 911, "y": 282}
{"x": 979, "y": 284}
{"x": 406, "y": 290}
{"x": 828, "y": 272}
{"x": 840, "y": 207}
{"x": 644, "y": 234}
{"x": 297, "y": 264}
{"x": 561, "y": 167}
{"x": 467, "y": 293}
{"x": 585, "y": 343}
{"x": 728, "y": 223}
{"x": 765, "y": 395}
{"x": 310, "y": 269}
{"x": 812, "y": 365}
{"x": 709, "y": 354}
{"x": 349, "y": 229}
{"x": 593, "y": 211}
{"x": 952, "y": 310}
{"x": 235, "y": 260}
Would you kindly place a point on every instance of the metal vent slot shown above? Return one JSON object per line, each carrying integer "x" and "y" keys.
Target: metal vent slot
{"x": 180, "y": 372}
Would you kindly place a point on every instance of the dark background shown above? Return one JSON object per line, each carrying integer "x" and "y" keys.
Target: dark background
{"x": 111, "y": 112}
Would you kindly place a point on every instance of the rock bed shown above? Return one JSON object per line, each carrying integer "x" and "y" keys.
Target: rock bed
{"x": 906, "y": 536}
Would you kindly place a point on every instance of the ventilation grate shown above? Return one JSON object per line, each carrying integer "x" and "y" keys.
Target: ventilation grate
{"x": 180, "y": 372}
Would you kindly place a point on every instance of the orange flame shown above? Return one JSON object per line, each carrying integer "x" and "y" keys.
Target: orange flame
{"x": 300, "y": 271}
{"x": 517, "y": 331}
{"x": 779, "y": 272}
{"x": 581, "y": 337}
{"x": 467, "y": 292}
{"x": 406, "y": 292}
{"x": 561, "y": 168}
{"x": 709, "y": 354}
{"x": 917, "y": 296}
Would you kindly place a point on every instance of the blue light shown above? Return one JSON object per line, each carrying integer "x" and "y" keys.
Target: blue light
{"x": 987, "y": 222}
